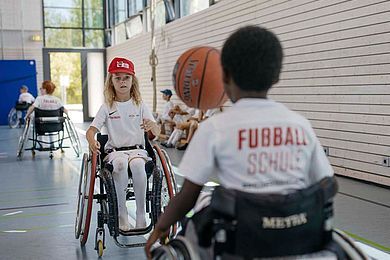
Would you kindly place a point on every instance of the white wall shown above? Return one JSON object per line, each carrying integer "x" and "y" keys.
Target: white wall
{"x": 336, "y": 68}
{"x": 19, "y": 20}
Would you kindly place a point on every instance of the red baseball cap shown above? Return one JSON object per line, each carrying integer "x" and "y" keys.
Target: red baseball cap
{"x": 121, "y": 65}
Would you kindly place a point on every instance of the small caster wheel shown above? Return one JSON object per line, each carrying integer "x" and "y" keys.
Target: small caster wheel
{"x": 62, "y": 151}
{"x": 51, "y": 156}
{"x": 33, "y": 153}
{"x": 100, "y": 248}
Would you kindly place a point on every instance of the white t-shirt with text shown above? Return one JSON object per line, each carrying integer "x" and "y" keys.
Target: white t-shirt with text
{"x": 259, "y": 146}
{"x": 123, "y": 123}
{"x": 48, "y": 102}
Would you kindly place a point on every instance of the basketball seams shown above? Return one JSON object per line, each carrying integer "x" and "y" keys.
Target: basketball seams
{"x": 178, "y": 90}
{"x": 203, "y": 75}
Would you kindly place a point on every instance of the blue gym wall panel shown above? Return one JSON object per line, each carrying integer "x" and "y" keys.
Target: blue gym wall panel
{"x": 14, "y": 74}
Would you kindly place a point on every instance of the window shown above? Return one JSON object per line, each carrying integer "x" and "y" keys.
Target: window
{"x": 135, "y": 6}
{"x": 120, "y": 11}
{"x": 73, "y": 23}
{"x": 134, "y": 26}
{"x": 188, "y": 7}
{"x": 120, "y": 33}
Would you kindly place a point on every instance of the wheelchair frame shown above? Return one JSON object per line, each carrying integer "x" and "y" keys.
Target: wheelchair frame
{"x": 157, "y": 197}
{"x": 30, "y": 134}
{"x": 218, "y": 227}
{"x": 13, "y": 117}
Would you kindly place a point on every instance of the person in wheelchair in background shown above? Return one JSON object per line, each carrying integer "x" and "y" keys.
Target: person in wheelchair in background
{"x": 24, "y": 102}
{"x": 126, "y": 118}
{"x": 46, "y": 101}
{"x": 257, "y": 147}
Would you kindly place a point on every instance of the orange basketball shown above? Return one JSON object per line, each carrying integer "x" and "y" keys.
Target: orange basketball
{"x": 197, "y": 77}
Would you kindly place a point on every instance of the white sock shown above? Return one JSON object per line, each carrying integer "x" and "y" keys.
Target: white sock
{"x": 121, "y": 181}
{"x": 137, "y": 167}
{"x": 175, "y": 136}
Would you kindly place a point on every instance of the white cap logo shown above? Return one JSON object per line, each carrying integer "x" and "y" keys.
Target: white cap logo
{"x": 121, "y": 64}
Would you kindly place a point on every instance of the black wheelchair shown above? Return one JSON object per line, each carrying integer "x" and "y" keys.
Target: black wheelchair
{"x": 239, "y": 225}
{"x": 52, "y": 125}
{"x": 161, "y": 187}
{"x": 16, "y": 114}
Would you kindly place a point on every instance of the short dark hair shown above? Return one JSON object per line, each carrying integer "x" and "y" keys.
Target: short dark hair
{"x": 252, "y": 56}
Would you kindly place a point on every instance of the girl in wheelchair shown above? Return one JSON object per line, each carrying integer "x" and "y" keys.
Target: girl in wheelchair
{"x": 46, "y": 101}
{"x": 125, "y": 118}
{"x": 257, "y": 147}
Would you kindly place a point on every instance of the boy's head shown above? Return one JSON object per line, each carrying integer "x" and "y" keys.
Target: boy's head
{"x": 167, "y": 93}
{"x": 23, "y": 89}
{"x": 48, "y": 86}
{"x": 252, "y": 58}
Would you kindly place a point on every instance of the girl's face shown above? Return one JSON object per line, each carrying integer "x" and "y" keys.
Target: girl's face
{"x": 122, "y": 83}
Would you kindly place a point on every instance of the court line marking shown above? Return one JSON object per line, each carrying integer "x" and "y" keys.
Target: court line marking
{"x": 35, "y": 206}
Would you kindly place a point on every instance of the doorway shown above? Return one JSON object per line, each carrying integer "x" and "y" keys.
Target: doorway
{"x": 77, "y": 74}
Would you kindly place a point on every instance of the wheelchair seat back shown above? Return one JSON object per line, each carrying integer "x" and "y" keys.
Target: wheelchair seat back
{"x": 149, "y": 166}
{"x": 22, "y": 106}
{"x": 268, "y": 225}
{"x": 49, "y": 121}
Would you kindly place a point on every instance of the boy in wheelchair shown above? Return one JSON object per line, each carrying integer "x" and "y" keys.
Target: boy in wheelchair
{"x": 126, "y": 118}
{"x": 267, "y": 159}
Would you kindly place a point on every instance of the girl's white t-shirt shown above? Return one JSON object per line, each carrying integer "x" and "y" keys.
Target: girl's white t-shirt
{"x": 48, "y": 102}
{"x": 123, "y": 123}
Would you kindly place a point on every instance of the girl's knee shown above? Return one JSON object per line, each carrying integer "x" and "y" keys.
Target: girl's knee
{"x": 120, "y": 164}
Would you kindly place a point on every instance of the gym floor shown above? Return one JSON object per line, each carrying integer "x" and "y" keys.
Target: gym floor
{"x": 38, "y": 207}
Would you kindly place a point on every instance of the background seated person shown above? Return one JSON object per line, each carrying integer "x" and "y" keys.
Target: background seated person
{"x": 193, "y": 125}
{"x": 25, "y": 96}
{"x": 183, "y": 121}
{"x": 165, "y": 118}
{"x": 258, "y": 145}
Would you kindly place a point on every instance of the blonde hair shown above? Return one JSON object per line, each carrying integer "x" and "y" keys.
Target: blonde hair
{"x": 109, "y": 91}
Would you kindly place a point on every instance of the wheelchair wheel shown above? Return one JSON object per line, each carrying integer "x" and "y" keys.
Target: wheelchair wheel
{"x": 85, "y": 198}
{"x": 183, "y": 249}
{"x": 80, "y": 201}
{"x": 74, "y": 138}
{"x": 164, "y": 252}
{"x": 23, "y": 139}
{"x": 167, "y": 187}
{"x": 110, "y": 204}
{"x": 13, "y": 120}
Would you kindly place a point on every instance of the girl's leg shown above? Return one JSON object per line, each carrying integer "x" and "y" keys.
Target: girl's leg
{"x": 121, "y": 181}
{"x": 137, "y": 167}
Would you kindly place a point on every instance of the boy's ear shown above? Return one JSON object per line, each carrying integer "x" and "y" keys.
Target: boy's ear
{"x": 226, "y": 76}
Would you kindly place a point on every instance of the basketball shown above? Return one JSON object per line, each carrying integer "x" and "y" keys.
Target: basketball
{"x": 197, "y": 77}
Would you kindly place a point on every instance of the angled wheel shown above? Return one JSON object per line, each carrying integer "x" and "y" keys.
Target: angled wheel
{"x": 23, "y": 139}
{"x": 85, "y": 199}
{"x": 167, "y": 186}
{"x": 13, "y": 120}
{"x": 73, "y": 136}
{"x": 183, "y": 248}
{"x": 111, "y": 206}
{"x": 80, "y": 195}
